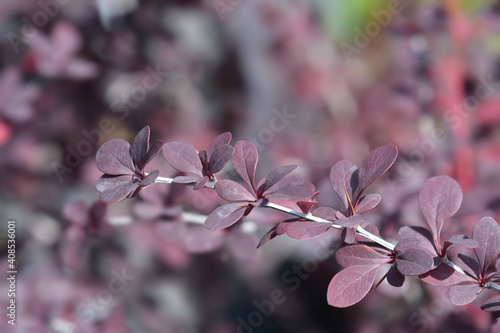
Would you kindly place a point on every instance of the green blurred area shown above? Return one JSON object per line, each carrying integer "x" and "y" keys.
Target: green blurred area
{"x": 339, "y": 18}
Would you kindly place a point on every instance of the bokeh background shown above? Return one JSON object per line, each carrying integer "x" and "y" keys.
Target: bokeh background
{"x": 309, "y": 82}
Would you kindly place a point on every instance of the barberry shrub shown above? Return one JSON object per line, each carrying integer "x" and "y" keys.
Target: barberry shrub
{"x": 420, "y": 253}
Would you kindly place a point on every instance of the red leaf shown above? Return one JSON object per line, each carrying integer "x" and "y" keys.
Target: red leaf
{"x": 368, "y": 202}
{"x": 340, "y": 178}
{"x": 444, "y": 275}
{"x": 219, "y": 158}
{"x": 222, "y": 139}
{"x": 414, "y": 262}
{"x": 375, "y": 164}
{"x": 275, "y": 176}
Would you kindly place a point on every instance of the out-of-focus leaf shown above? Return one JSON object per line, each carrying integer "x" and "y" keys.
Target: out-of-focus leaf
{"x": 201, "y": 240}
{"x": 242, "y": 245}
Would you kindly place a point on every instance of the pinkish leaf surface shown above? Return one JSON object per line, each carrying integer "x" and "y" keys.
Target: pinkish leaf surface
{"x": 351, "y": 285}
{"x": 439, "y": 199}
{"x": 376, "y": 163}
{"x": 487, "y": 233}
{"x": 307, "y": 230}
{"x": 414, "y": 262}
{"x": 244, "y": 161}
{"x": 492, "y": 304}
{"x": 275, "y": 176}
{"x": 222, "y": 139}
{"x": 461, "y": 240}
{"x": 359, "y": 254}
{"x": 471, "y": 265}
{"x": 350, "y": 221}
{"x": 368, "y": 202}
{"x": 183, "y": 157}
{"x": 119, "y": 192}
{"x": 225, "y": 216}
{"x": 340, "y": 178}
{"x": 463, "y": 293}
{"x": 113, "y": 158}
{"x": 326, "y": 213}
{"x": 232, "y": 191}
{"x": 219, "y": 158}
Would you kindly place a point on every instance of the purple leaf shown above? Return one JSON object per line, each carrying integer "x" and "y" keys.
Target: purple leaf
{"x": 107, "y": 182}
{"x": 487, "y": 233}
{"x": 305, "y": 206}
{"x": 113, "y": 158}
{"x": 375, "y": 164}
{"x": 358, "y": 254}
{"x": 307, "y": 230}
{"x": 406, "y": 244}
{"x": 351, "y": 285}
{"x": 186, "y": 179}
{"x": 471, "y": 265}
{"x": 154, "y": 149}
{"x": 150, "y": 178}
{"x": 201, "y": 183}
{"x": 368, "y": 202}
{"x": 350, "y": 221}
{"x": 183, "y": 157}
{"x": 275, "y": 176}
{"x": 492, "y": 305}
{"x": 326, "y": 213}
{"x": 140, "y": 147}
{"x": 394, "y": 277}
{"x": 222, "y": 139}
{"x": 422, "y": 234}
{"x": 414, "y": 262}
{"x": 219, "y": 158}
{"x": 119, "y": 192}
{"x": 461, "y": 240}
{"x": 244, "y": 160}
{"x": 225, "y": 216}
{"x": 340, "y": 178}
{"x": 439, "y": 199}
{"x": 444, "y": 275}
{"x": 349, "y": 235}
{"x": 463, "y": 293}
{"x": 232, "y": 191}
{"x": 272, "y": 234}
